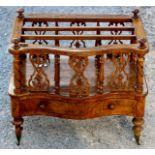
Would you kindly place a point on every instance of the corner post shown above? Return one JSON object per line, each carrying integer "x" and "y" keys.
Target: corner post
{"x": 140, "y": 66}
{"x": 16, "y": 67}
{"x": 138, "y": 119}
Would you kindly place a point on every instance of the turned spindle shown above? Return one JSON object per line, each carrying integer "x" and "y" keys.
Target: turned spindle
{"x": 17, "y": 66}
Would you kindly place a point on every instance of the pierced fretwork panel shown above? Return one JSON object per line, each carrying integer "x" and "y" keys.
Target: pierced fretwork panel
{"x": 38, "y": 79}
{"x": 77, "y": 43}
{"x": 116, "y": 32}
{"x": 79, "y": 85}
{"x": 40, "y": 24}
{"x": 120, "y": 77}
{"x": 115, "y": 73}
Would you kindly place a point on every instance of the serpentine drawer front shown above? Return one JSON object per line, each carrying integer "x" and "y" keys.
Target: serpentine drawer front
{"x": 78, "y": 67}
{"x": 77, "y": 110}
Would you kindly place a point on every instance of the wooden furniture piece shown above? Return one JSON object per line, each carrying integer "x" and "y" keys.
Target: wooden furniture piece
{"x": 78, "y": 67}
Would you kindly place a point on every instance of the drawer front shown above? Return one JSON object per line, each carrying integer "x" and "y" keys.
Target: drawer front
{"x": 47, "y": 107}
{"x": 115, "y": 107}
{"x": 78, "y": 110}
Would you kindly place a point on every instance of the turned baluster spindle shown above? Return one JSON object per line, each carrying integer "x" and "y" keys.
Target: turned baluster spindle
{"x": 133, "y": 55}
{"x": 99, "y": 63}
{"x": 23, "y": 65}
{"x": 57, "y": 64}
{"x": 101, "y": 73}
{"x": 23, "y": 71}
{"x": 140, "y": 66}
{"x": 20, "y": 15}
{"x": 98, "y": 42}
{"x": 17, "y": 67}
{"x": 57, "y": 73}
{"x": 133, "y": 40}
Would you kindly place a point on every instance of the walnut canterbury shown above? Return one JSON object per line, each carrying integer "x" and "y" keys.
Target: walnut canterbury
{"x": 78, "y": 67}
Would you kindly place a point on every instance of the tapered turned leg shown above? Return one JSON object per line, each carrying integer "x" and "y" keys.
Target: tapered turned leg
{"x": 137, "y": 128}
{"x": 18, "y": 128}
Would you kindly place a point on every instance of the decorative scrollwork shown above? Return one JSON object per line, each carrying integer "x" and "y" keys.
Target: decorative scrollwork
{"x": 77, "y": 43}
{"x": 116, "y": 32}
{"x": 120, "y": 78}
{"x": 79, "y": 85}
{"x": 40, "y": 24}
{"x": 38, "y": 80}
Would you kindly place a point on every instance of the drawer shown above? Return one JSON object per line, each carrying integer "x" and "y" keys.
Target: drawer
{"x": 48, "y": 107}
{"x": 78, "y": 109}
{"x": 115, "y": 107}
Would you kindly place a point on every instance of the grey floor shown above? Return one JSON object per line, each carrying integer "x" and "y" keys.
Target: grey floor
{"x": 49, "y": 132}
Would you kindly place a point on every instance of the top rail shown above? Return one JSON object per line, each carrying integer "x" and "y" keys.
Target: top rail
{"x": 99, "y": 50}
{"x": 77, "y": 17}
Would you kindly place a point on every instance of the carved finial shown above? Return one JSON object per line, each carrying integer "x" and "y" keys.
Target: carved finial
{"x": 20, "y": 13}
{"x": 15, "y": 42}
{"x": 142, "y": 42}
{"x": 135, "y": 13}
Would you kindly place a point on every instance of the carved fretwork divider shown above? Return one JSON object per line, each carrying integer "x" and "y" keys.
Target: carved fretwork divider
{"x": 79, "y": 85}
{"x": 38, "y": 80}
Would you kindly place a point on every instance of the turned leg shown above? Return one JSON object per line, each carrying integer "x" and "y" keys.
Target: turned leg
{"x": 18, "y": 128}
{"x": 137, "y": 128}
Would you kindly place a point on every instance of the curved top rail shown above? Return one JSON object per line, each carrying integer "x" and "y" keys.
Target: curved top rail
{"x": 99, "y": 50}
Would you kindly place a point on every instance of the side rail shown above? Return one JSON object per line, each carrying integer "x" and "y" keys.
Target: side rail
{"x": 116, "y": 68}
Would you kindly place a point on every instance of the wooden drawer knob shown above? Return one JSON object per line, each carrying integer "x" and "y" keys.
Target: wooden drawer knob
{"x": 42, "y": 106}
{"x": 111, "y": 106}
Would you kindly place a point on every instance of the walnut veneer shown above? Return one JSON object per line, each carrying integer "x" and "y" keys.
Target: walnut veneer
{"x": 78, "y": 67}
